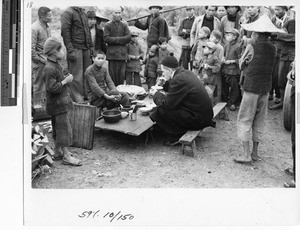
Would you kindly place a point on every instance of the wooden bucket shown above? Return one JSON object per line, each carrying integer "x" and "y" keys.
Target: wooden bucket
{"x": 82, "y": 119}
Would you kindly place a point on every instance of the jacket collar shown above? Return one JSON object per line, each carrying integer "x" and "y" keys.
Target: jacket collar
{"x": 43, "y": 24}
{"x": 53, "y": 59}
{"x": 178, "y": 70}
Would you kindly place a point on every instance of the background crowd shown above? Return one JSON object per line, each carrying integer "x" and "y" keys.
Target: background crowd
{"x": 213, "y": 44}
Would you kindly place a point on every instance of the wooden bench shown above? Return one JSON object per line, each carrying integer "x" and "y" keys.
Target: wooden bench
{"x": 188, "y": 144}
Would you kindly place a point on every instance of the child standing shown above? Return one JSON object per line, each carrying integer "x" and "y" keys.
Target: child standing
{"x": 100, "y": 88}
{"x": 162, "y": 52}
{"x": 133, "y": 65}
{"x": 216, "y": 38}
{"x": 209, "y": 68}
{"x": 58, "y": 102}
{"x": 151, "y": 66}
{"x": 231, "y": 71}
{"x": 197, "y": 50}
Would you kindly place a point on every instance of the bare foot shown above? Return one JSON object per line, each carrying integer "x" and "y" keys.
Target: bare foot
{"x": 58, "y": 154}
{"x": 255, "y": 157}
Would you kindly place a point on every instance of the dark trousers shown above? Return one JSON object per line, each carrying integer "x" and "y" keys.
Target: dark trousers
{"x": 102, "y": 102}
{"x": 133, "y": 78}
{"x": 117, "y": 70}
{"x": 77, "y": 69}
{"x": 275, "y": 86}
{"x": 293, "y": 132}
{"x": 185, "y": 58}
{"x": 283, "y": 70}
{"x": 230, "y": 89}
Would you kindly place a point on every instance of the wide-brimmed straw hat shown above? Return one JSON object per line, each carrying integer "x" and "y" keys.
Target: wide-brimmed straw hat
{"x": 159, "y": 7}
{"x": 262, "y": 25}
{"x": 101, "y": 18}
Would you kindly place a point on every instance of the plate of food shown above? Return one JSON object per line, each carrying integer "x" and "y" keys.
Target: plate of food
{"x": 146, "y": 110}
{"x": 157, "y": 87}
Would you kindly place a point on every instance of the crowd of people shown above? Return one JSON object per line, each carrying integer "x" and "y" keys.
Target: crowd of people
{"x": 238, "y": 55}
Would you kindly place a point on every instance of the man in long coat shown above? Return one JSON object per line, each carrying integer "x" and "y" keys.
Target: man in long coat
{"x": 208, "y": 20}
{"x": 156, "y": 25}
{"x": 117, "y": 35}
{"x": 186, "y": 106}
{"x": 77, "y": 39}
{"x": 40, "y": 31}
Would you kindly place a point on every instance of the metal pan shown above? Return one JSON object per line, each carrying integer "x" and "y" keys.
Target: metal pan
{"x": 110, "y": 116}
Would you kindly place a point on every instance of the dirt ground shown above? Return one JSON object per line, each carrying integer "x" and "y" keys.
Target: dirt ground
{"x": 121, "y": 161}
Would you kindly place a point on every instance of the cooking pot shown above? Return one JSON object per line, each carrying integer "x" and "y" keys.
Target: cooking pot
{"x": 110, "y": 116}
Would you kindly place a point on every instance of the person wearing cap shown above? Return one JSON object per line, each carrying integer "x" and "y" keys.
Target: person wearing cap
{"x": 207, "y": 20}
{"x": 59, "y": 102}
{"x": 280, "y": 20}
{"x": 151, "y": 66}
{"x": 221, "y": 12}
{"x": 197, "y": 50}
{"x": 163, "y": 51}
{"x": 231, "y": 20}
{"x": 96, "y": 33}
{"x": 77, "y": 39}
{"x": 157, "y": 26}
{"x": 231, "y": 70}
{"x": 257, "y": 64}
{"x": 133, "y": 65}
{"x": 209, "y": 68}
{"x": 117, "y": 36}
{"x": 40, "y": 31}
{"x": 184, "y": 31}
{"x": 185, "y": 107}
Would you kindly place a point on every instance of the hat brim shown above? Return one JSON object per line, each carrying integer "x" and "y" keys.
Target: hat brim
{"x": 102, "y": 19}
{"x": 239, "y": 8}
{"x": 160, "y": 7}
{"x": 262, "y": 25}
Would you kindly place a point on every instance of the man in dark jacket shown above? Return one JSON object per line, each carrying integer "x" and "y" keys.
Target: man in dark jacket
{"x": 184, "y": 31}
{"x": 287, "y": 56}
{"x": 156, "y": 25}
{"x": 279, "y": 19}
{"x": 77, "y": 39}
{"x": 186, "y": 106}
{"x": 117, "y": 35}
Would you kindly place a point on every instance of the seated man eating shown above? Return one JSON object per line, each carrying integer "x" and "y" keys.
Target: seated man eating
{"x": 100, "y": 88}
{"x": 186, "y": 106}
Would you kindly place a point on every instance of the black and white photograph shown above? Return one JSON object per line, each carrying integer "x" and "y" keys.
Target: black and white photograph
{"x": 156, "y": 113}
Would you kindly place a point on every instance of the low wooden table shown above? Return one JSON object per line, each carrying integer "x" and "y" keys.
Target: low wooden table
{"x": 133, "y": 128}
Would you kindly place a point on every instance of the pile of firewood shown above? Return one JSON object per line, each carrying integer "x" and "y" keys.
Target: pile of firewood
{"x": 41, "y": 152}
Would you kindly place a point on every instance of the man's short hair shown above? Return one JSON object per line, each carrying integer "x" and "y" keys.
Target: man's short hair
{"x": 284, "y": 8}
{"x": 96, "y": 52}
{"x": 43, "y": 11}
{"x": 216, "y": 7}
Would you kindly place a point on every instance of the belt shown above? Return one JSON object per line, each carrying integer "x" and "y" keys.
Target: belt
{"x": 186, "y": 47}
